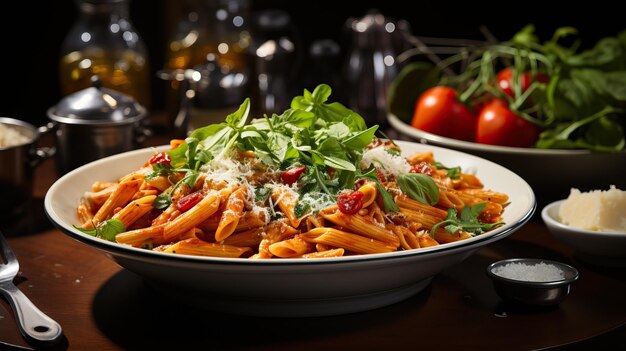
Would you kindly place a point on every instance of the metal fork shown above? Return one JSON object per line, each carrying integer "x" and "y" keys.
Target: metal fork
{"x": 35, "y": 326}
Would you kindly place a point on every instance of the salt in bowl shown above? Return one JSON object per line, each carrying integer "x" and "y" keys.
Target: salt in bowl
{"x": 532, "y": 281}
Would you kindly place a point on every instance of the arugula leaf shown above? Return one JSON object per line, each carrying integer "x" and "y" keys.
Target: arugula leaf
{"x": 420, "y": 187}
{"x": 262, "y": 194}
{"x": 301, "y": 209}
{"x": 467, "y": 221}
{"x": 360, "y": 140}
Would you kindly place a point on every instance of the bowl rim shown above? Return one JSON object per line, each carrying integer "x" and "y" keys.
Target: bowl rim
{"x": 533, "y": 284}
{"x": 129, "y": 251}
{"x": 424, "y": 136}
{"x": 552, "y": 222}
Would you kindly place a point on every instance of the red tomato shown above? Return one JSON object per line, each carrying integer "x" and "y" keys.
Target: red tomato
{"x": 439, "y": 111}
{"x": 498, "y": 125}
{"x": 350, "y": 202}
{"x": 188, "y": 201}
{"x": 292, "y": 175}
{"x": 505, "y": 80}
{"x": 161, "y": 158}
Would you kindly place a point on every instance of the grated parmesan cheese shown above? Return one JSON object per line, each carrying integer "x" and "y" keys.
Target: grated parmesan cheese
{"x": 389, "y": 165}
{"x": 540, "y": 272}
{"x": 227, "y": 169}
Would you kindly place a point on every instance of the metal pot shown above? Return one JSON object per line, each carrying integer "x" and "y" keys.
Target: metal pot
{"x": 17, "y": 165}
{"x": 94, "y": 123}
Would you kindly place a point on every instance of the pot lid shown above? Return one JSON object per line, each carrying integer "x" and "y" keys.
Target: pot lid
{"x": 97, "y": 105}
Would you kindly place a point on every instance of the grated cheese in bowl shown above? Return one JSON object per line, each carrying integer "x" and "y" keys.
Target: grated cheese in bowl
{"x": 11, "y": 136}
{"x": 597, "y": 210}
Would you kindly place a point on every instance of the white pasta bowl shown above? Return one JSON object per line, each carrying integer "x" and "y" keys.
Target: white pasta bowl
{"x": 290, "y": 287}
{"x": 607, "y": 249}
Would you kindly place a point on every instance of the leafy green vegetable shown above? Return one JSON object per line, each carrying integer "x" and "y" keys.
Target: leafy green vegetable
{"x": 467, "y": 221}
{"x": 582, "y": 105}
{"x": 162, "y": 201}
{"x": 388, "y": 203}
{"x": 106, "y": 230}
{"x": 453, "y": 172}
{"x": 420, "y": 187}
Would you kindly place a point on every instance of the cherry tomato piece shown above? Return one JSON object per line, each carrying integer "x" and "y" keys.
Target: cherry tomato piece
{"x": 188, "y": 201}
{"x": 505, "y": 80}
{"x": 439, "y": 111}
{"x": 160, "y": 158}
{"x": 498, "y": 125}
{"x": 350, "y": 202}
{"x": 292, "y": 175}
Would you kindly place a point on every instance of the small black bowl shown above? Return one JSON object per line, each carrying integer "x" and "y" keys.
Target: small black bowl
{"x": 531, "y": 292}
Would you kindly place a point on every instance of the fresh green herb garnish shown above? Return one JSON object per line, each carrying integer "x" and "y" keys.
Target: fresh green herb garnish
{"x": 388, "y": 203}
{"x": 106, "y": 230}
{"x": 262, "y": 194}
{"x": 162, "y": 201}
{"x": 301, "y": 209}
{"x": 453, "y": 172}
{"x": 467, "y": 221}
{"x": 420, "y": 187}
{"x": 328, "y": 138}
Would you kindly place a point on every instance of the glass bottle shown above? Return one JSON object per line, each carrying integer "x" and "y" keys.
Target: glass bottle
{"x": 211, "y": 38}
{"x": 190, "y": 43}
{"x": 231, "y": 30}
{"x": 103, "y": 42}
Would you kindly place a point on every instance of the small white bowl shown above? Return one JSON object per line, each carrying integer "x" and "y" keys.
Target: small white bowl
{"x": 591, "y": 246}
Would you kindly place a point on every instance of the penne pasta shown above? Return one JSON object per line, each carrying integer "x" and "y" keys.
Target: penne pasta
{"x": 349, "y": 241}
{"x": 233, "y": 204}
{"x": 230, "y": 217}
{"x": 190, "y": 219}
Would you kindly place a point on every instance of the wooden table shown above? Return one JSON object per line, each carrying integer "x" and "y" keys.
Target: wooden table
{"x": 103, "y": 307}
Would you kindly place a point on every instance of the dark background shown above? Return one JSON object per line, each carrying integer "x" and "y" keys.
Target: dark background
{"x": 30, "y": 46}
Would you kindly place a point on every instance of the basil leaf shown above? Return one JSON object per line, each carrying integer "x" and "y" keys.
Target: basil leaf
{"x": 162, "y": 201}
{"x": 388, "y": 203}
{"x": 419, "y": 187}
{"x": 110, "y": 228}
{"x": 453, "y": 172}
{"x": 106, "y": 230}
{"x": 92, "y": 231}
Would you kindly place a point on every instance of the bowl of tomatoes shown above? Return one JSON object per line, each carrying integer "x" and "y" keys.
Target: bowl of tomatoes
{"x": 558, "y": 121}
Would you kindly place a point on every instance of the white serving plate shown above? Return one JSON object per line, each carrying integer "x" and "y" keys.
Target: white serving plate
{"x": 290, "y": 287}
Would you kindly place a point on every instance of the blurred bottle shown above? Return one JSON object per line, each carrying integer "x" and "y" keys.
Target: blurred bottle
{"x": 370, "y": 66}
{"x": 190, "y": 43}
{"x": 323, "y": 65}
{"x": 103, "y": 42}
{"x": 207, "y": 67}
{"x": 276, "y": 51}
{"x": 231, "y": 31}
